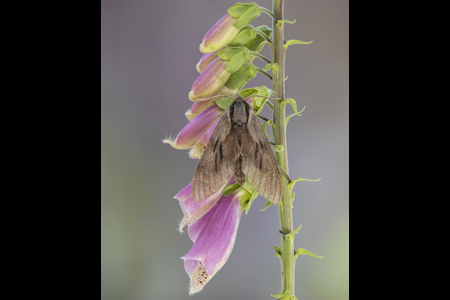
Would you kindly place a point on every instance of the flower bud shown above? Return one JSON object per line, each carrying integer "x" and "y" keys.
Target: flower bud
{"x": 205, "y": 60}
{"x": 200, "y": 106}
{"x": 245, "y": 12}
{"x": 220, "y": 34}
{"x": 210, "y": 80}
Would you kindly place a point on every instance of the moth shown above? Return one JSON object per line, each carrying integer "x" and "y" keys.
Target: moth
{"x": 238, "y": 146}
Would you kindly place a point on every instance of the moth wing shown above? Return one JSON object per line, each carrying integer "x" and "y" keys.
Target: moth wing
{"x": 259, "y": 164}
{"x": 217, "y": 163}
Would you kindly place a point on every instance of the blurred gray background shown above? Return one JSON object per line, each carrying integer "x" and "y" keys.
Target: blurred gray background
{"x": 149, "y": 52}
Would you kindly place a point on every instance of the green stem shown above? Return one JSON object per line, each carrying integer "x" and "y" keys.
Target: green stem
{"x": 262, "y": 57}
{"x": 263, "y": 72}
{"x": 269, "y": 41}
{"x": 263, "y": 9}
{"x": 279, "y": 135}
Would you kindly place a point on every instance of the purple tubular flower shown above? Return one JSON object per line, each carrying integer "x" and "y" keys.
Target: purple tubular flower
{"x": 199, "y": 106}
{"x": 210, "y": 80}
{"x": 194, "y": 211}
{"x": 220, "y": 34}
{"x": 205, "y": 60}
{"x": 190, "y": 133}
{"x": 213, "y": 235}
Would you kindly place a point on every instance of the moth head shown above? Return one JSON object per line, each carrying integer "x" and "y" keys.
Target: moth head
{"x": 239, "y": 113}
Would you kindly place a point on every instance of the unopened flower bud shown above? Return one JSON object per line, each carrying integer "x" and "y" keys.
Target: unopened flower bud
{"x": 205, "y": 60}
{"x": 210, "y": 80}
{"x": 220, "y": 34}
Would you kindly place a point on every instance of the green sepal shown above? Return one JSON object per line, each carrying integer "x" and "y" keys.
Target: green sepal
{"x": 229, "y": 52}
{"x": 230, "y": 189}
{"x": 293, "y": 197}
{"x": 245, "y": 12}
{"x": 238, "y": 9}
{"x": 278, "y": 148}
{"x": 240, "y": 78}
{"x": 292, "y": 183}
{"x": 286, "y": 295}
{"x": 251, "y": 38}
{"x": 247, "y": 34}
{"x": 236, "y": 57}
{"x": 224, "y": 102}
{"x": 301, "y": 251}
{"x": 295, "y": 42}
{"x": 253, "y": 193}
{"x": 277, "y": 251}
{"x": 237, "y": 61}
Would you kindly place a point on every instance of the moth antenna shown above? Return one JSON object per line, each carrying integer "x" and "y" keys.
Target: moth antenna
{"x": 275, "y": 93}
{"x": 217, "y": 96}
{"x": 272, "y": 98}
{"x": 262, "y": 118}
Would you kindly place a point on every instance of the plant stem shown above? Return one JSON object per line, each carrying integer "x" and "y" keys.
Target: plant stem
{"x": 279, "y": 135}
{"x": 263, "y": 72}
{"x": 263, "y": 9}
{"x": 262, "y": 57}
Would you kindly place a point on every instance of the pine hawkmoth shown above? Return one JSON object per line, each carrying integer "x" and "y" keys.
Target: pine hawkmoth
{"x": 238, "y": 146}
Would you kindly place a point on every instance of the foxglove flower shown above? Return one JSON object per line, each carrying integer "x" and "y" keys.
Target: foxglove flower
{"x": 220, "y": 34}
{"x": 213, "y": 234}
{"x": 200, "y": 106}
{"x": 248, "y": 37}
{"x": 210, "y": 80}
{"x": 226, "y": 29}
{"x": 205, "y": 60}
{"x": 190, "y": 133}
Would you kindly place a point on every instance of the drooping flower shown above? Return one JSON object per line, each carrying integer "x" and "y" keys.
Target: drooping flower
{"x": 190, "y": 133}
{"x": 200, "y": 106}
{"x": 213, "y": 234}
{"x": 248, "y": 36}
{"x": 226, "y": 29}
{"x": 210, "y": 80}
{"x": 205, "y": 60}
{"x": 220, "y": 34}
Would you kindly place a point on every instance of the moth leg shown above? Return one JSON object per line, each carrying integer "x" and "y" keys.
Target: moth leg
{"x": 285, "y": 174}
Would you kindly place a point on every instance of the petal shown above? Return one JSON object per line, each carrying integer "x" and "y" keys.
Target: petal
{"x": 184, "y": 193}
{"x": 200, "y": 146}
{"x": 194, "y": 211}
{"x": 215, "y": 234}
{"x": 198, "y": 107}
{"x": 219, "y": 35}
{"x": 190, "y": 133}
